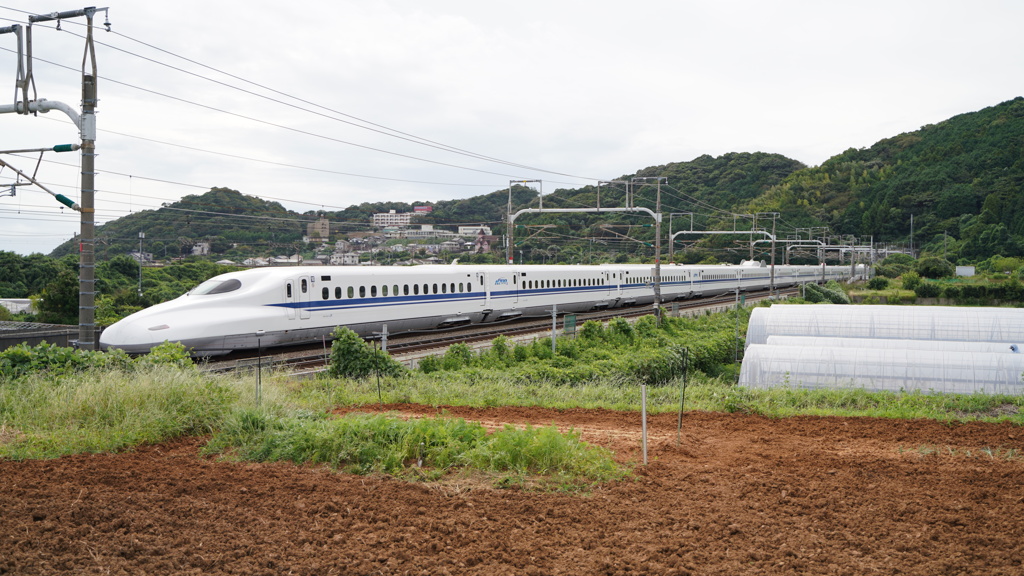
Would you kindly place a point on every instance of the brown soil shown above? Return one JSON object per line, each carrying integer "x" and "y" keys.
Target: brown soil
{"x": 740, "y": 495}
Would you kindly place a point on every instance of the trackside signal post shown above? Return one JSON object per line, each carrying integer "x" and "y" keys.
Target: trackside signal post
{"x": 86, "y": 123}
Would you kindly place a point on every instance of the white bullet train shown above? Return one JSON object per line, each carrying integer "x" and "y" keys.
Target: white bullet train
{"x": 279, "y": 306}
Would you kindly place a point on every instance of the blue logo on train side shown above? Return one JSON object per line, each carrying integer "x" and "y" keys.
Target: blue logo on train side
{"x": 501, "y": 282}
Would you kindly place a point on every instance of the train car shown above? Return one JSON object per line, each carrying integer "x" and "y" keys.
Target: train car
{"x": 280, "y": 306}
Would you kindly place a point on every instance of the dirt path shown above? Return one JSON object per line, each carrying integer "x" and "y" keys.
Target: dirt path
{"x": 740, "y": 495}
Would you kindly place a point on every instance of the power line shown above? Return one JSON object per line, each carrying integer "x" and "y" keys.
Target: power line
{"x": 304, "y": 132}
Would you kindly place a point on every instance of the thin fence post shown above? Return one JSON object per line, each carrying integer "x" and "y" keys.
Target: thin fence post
{"x": 643, "y": 419}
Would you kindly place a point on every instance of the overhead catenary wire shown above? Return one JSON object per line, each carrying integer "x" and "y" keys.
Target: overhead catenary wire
{"x": 366, "y": 124}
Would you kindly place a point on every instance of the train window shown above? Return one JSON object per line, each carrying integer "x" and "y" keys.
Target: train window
{"x": 415, "y": 288}
{"x": 288, "y": 290}
{"x": 384, "y": 290}
{"x": 337, "y": 292}
{"x": 435, "y": 289}
{"x": 394, "y": 290}
{"x": 444, "y": 288}
{"x": 481, "y": 277}
{"x": 304, "y": 285}
{"x": 373, "y": 291}
{"x": 351, "y": 292}
{"x": 515, "y": 279}
{"x": 405, "y": 289}
{"x": 461, "y": 287}
{"x": 362, "y": 291}
{"x": 469, "y": 287}
{"x": 452, "y": 289}
{"x": 214, "y": 286}
{"x": 426, "y": 288}
{"x": 325, "y": 293}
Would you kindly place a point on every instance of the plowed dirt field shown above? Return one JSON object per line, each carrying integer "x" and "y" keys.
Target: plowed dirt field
{"x": 740, "y": 495}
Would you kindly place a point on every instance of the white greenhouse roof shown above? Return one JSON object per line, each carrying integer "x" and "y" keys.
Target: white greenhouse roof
{"x": 887, "y": 322}
{"x": 937, "y": 345}
{"x": 893, "y": 369}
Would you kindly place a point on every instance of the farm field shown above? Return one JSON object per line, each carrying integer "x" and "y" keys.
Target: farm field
{"x": 742, "y": 494}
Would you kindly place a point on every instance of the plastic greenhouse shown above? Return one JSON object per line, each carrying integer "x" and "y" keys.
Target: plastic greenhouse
{"x": 893, "y": 369}
{"x": 888, "y": 322}
{"x": 936, "y": 345}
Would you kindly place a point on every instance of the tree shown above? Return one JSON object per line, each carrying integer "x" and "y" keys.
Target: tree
{"x": 58, "y": 302}
{"x": 934, "y": 268}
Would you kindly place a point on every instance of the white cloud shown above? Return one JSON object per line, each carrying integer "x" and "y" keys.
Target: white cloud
{"x": 595, "y": 89}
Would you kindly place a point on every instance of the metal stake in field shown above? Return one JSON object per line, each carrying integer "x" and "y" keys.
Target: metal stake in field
{"x": 554, "y": 327}
{"x": 643, "y": 419}
{"x": 682, "y": 394}
{"x": 259, "y": 365}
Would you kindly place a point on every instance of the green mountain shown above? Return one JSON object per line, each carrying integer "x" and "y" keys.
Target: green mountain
{"x": 960, "y": 179}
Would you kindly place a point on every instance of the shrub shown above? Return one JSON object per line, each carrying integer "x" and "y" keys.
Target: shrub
{"x": 934, "y": 267}
{"x": 22, "y": 360}
{"x": 928, "y": 290}
{"x": 878, "y": 283}
{"x": 831, "y": 293}
{"x": 894, "y": 266}
{"x": 592, "y": 330}
{"x": 953, "y": 292}
{"x": 911, "y": 280}
{"x": 620, "y": 331}
{"x": 351, "y": 357}
{"x": 457, "y": 356}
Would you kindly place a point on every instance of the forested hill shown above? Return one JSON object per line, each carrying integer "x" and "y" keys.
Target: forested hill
{"x": 963, "y": 177}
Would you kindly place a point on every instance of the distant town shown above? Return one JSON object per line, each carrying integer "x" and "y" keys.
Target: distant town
{"x": 426, "y": 240}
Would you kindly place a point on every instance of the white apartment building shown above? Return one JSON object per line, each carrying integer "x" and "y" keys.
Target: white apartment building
{"x": 392, "y": 218}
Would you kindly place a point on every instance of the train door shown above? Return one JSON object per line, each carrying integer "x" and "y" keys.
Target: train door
{"x": 482, "y": 282}
{"x": 302, "y": 298}
{"x": 289, "y": 298}
{"x": 614, "y": 280}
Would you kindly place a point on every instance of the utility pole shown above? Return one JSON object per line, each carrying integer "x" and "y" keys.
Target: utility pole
{"x": 142, "y": 236}
{"x": 87, "y": 125}
{"x": 911, "y": 235}
{"x": 509, "y": 219}
{"x": 657, "y": 245}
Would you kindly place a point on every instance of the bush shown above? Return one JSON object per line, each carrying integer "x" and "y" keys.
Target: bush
{"x": 351, "y": 357}
{"x": 934, "y": 268}
{"x": 953, "y": 292}
{"x": 592, "y": 330}
{"x": 895, "y": 266}
{"x": 878, "y": 283}
{"x": 911, "y": 280}
{"x": 457, "y": 356}
{"x": 831, "y": 292}
{"x": 1010, "y": 291}
{"x": 928, "y": 290}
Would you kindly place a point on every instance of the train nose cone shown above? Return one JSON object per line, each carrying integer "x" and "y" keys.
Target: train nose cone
{"x": 134, "y": 336}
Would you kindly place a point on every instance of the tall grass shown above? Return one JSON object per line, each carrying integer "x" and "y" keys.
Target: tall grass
{"x": 418, "y": 448}
{"x": 111, "y": 410}
{"x": 484, "y": 388}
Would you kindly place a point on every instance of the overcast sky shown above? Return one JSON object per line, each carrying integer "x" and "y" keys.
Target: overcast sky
{"x": 565, "y": 91}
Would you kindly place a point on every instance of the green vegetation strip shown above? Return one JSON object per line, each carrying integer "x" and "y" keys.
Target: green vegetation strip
{"x": 417, "y": 448}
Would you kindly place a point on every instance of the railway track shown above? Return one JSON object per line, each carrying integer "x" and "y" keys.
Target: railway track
{"x": 409, "y": 348}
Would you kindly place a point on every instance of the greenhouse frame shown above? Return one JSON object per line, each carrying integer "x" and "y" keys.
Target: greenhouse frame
{"x": 896, "y": 348}
{"x": 876, "y": 369}
{"x": 889, "y": 322}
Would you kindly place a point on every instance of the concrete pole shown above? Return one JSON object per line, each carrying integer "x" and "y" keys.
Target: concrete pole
{"x": 87, "y": 241}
